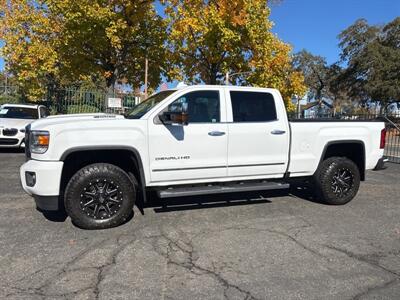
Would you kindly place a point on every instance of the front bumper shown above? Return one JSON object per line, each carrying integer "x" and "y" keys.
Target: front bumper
{"x": 11, "y": 141}
{"x": 381, "y": 164}
{"x": 46, "y": 186}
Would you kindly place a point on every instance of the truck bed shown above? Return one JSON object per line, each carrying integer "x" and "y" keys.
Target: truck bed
{"x": 309, "y": 141}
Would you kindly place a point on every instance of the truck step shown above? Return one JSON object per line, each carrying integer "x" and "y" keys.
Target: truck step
{"x": 221, "y": 188}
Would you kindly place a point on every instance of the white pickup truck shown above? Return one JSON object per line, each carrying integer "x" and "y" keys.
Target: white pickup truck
{"x": 192, "y": 141}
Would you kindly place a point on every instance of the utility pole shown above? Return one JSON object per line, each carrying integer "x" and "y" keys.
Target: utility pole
{"x": 6, "y": 80}
{"x": 146, "y": 70}
{"x": 298, "y": 107}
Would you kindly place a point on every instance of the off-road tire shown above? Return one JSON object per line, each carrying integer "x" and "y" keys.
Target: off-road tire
{"x": 89, "y": 176}
{"x": 333, "y": 188}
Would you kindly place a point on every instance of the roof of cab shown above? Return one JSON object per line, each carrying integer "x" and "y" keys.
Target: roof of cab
{"x": 229, "y": 87}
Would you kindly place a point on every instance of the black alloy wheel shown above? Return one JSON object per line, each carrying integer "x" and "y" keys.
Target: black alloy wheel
{"x": 342, "y": 182}
{"x": 336, "y": 181}
{"x": 100, "y": 196}
{"x": 101, "y": 199}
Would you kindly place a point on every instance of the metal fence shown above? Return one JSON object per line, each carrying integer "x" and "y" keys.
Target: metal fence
{"x": 392, "y": 149}
{"x": 78, "y": 100}
{"x": 392, "y": 121}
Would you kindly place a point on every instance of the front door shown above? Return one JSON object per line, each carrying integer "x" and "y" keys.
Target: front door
{"x": 194, "y": 151}
{"x": 258, "y": 135}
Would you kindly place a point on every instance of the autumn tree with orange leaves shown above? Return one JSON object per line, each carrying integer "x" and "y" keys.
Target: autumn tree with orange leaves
{"x": 207, "y": 39}
{"x": 59, "y": 42}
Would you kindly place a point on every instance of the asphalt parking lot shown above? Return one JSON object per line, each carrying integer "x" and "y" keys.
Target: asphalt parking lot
{"x": 245, "y": 246}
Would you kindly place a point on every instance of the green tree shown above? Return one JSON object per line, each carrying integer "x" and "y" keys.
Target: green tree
{"x": 372, "y": 54}
{"x": 316, "y": 73}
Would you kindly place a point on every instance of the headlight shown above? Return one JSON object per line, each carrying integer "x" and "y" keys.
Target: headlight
{"x": 39, "y": 141}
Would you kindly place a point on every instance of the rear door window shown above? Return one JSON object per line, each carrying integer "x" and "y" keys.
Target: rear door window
{"x": 253, "y": 106}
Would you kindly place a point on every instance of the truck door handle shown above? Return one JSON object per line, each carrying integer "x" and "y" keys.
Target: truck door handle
{"x": 216, "y": 133}
{"x": 277, "y": 131}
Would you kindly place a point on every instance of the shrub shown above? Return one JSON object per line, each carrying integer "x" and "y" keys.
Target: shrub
{"x": 8, "y": 99}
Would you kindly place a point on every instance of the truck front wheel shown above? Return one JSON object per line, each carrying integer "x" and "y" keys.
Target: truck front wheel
{"x": 99, "y": 196}
{"x": 337, "y": 180}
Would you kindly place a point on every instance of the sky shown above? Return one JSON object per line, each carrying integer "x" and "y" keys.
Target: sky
{"x": 315, "y": 24}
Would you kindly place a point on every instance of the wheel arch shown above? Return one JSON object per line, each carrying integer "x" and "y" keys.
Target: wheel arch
{"x": 126, "y": 157}
{"x": 351, "y": 149}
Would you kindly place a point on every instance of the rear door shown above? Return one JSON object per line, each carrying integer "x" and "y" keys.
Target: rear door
{"x": 258, "y": 133}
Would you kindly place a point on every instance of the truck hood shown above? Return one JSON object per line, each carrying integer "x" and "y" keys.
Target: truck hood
{"x": 14, "y": 123}
{"x": 89, "y": 130}
{"x": 73, "y": 118}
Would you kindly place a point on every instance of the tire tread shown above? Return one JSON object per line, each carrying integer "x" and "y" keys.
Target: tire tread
{"x": 322, "y": 181}
{"x": 78, "y": 219}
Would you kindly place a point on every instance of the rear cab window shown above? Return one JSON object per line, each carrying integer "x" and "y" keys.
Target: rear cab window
{"x": 250, "y": 106}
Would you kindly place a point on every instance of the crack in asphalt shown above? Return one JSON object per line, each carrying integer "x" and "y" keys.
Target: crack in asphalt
{"x": 112, "y": 261}
{"x": 375, "y": 288}
{"x": 190, "y": 263}
{"x": 365, "y": 258}
{"x": 283, "y": 234}
{"x": 180, "y": 251}
{"x": 41, "y": 291}
{"x": 372, "y": 260}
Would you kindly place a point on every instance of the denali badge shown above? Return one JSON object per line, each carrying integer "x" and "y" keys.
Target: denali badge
{"x": 173, "y": 157}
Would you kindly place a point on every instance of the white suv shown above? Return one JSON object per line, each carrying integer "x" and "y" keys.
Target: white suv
{"x": 14, "y": 118}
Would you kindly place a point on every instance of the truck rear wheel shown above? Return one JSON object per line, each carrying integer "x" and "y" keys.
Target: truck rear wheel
{"x": 337, "y": 181}
{"x": 99, "y": 196}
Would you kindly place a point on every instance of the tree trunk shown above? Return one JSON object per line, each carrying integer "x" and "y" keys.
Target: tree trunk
{"x": 112, "y": 80}
{"x": 213, "y": 80}
{"x": 212, "y": 75}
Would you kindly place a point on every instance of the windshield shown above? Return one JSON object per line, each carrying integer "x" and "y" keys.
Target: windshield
{"x": 13, "y": 112}
{"x": 141, "y": 109}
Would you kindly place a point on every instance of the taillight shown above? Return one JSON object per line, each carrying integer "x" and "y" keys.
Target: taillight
{"x": 383, "y": 138}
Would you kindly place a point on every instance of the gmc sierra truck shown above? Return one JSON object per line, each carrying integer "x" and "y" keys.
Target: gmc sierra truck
{"x": 194, "y": 140}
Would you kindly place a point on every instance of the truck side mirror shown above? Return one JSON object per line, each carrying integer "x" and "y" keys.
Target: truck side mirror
{"x": 176, "y": 115}
{"x": 174, "y": 118}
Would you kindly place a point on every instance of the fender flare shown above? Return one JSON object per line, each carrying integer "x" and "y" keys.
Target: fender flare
{"x": 133, "y": 150}
{"x": 330, "y": 143}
